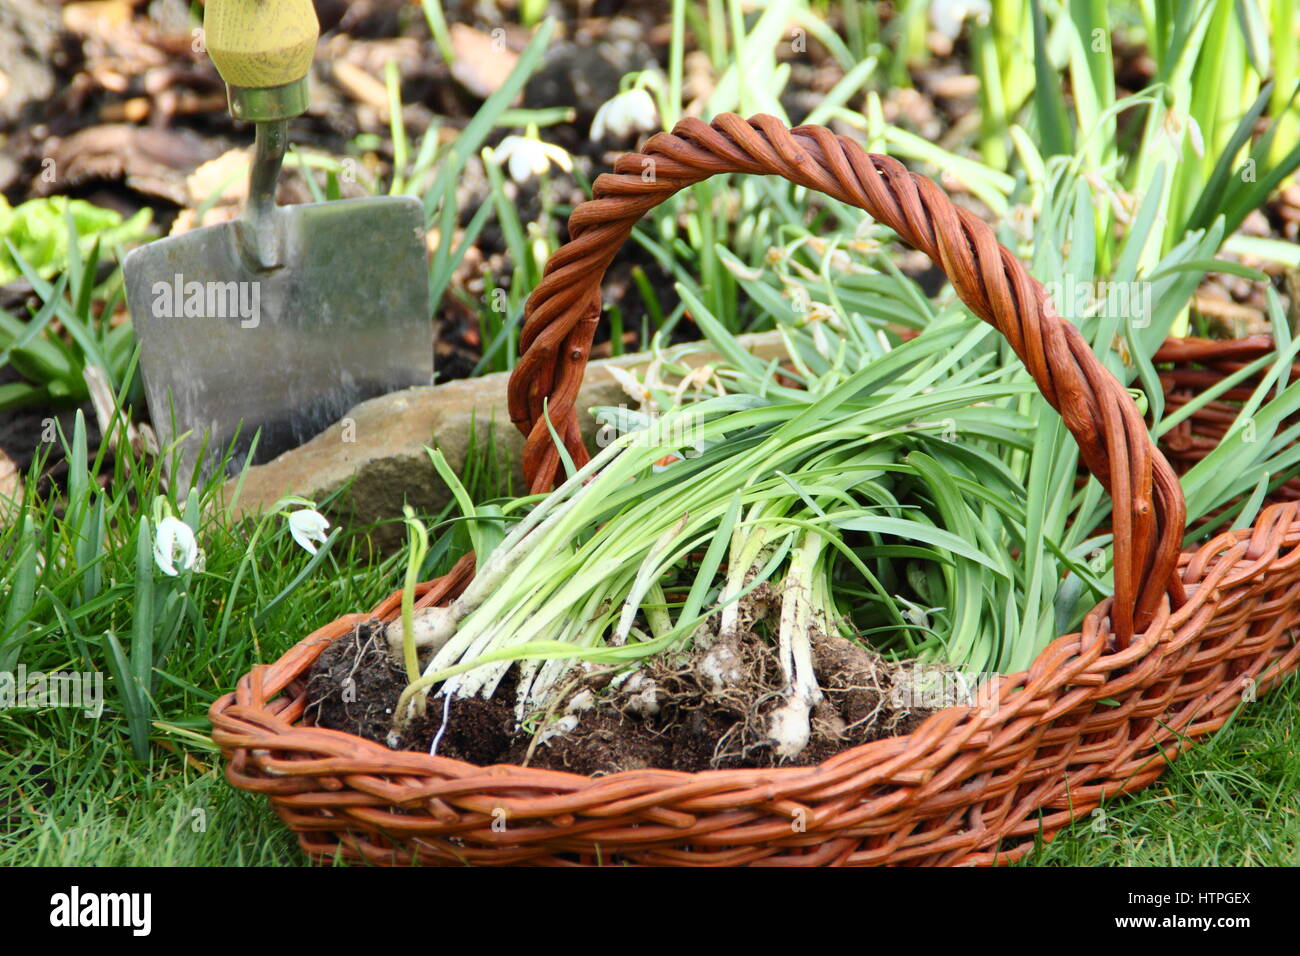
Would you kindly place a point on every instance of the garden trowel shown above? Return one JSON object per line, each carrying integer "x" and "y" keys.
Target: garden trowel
{"x": 277, "y": 323}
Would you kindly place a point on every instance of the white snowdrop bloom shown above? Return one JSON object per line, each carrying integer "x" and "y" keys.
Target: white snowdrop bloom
{"x": 638, "y": 391}
{"x": 633, "y": 111}
{"x": 1177, "y": 125}
{"x": 173, "y": 545}
{"x": 307, "y": 526}
{"x": 528, "y": 156}
{"x": 1198, "y": 141}
{"x": 947, "y": 15}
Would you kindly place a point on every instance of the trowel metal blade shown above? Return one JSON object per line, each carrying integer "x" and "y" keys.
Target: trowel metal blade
{"x": 230, "y": 349}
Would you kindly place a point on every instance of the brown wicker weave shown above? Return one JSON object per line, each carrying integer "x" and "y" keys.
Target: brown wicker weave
{"x": 1164, "y": 661}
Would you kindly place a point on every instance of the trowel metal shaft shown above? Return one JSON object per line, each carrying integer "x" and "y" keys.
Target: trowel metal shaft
{"x": 258, "y": 235}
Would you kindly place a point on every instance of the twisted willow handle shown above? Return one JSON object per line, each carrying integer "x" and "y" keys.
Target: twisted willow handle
{"x": 560, "y": 319}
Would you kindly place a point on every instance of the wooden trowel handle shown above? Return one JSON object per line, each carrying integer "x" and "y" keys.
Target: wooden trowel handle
{"x": 258, "y": 44}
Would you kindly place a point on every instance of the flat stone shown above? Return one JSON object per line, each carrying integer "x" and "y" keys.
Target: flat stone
{"x": 373, "y": 460}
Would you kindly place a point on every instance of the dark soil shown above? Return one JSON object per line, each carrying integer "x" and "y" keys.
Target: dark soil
{"x": 32, "y": 431}
{"x": 354, "y": 686}
{"x": 672, "y": 714}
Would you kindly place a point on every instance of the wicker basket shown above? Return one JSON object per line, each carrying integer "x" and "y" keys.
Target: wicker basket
{"x": 1099, "y": 713}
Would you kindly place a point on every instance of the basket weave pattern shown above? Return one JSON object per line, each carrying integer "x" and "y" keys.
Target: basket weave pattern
{"x": 1164, "y": 661}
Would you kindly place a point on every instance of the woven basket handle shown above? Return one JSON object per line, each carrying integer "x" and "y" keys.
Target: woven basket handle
{"x": 561, "y": 315}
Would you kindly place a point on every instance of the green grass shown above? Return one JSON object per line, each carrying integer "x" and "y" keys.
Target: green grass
{"x": 1230, "y": 801}
{"x": 86, "y": 807}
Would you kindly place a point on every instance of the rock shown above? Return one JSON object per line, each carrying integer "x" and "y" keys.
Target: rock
{"x": 374, "y": 460}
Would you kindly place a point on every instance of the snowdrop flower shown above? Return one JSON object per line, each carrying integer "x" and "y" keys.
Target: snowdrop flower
{"x": 820, "y": 341}
{"x": 821, "y": 312}
{"x": 1175, "y": 124}
{"x": 541, "y": 248}
{"x": 914, "y": 614}
{"x": 1198, "y": 142}
{"x": 174, "y": 544}
{"x": 840, "y": 260}
{"x": 625, "y": 113}
{"x": 638, "y": 391}
{"x": 947, "y": 15}
{"x": 307, "y": 526}
{"x": 528, "y": 156}
{"x": 698, "y": 379}
{"x": 817, "y": 317}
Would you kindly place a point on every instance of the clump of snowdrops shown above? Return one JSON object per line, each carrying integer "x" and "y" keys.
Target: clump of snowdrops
{"x": 880, "y": 485}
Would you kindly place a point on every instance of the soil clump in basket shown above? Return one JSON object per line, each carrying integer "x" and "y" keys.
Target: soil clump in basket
{"x": 706, "y": 707}
{"x": 354, "y": 686}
